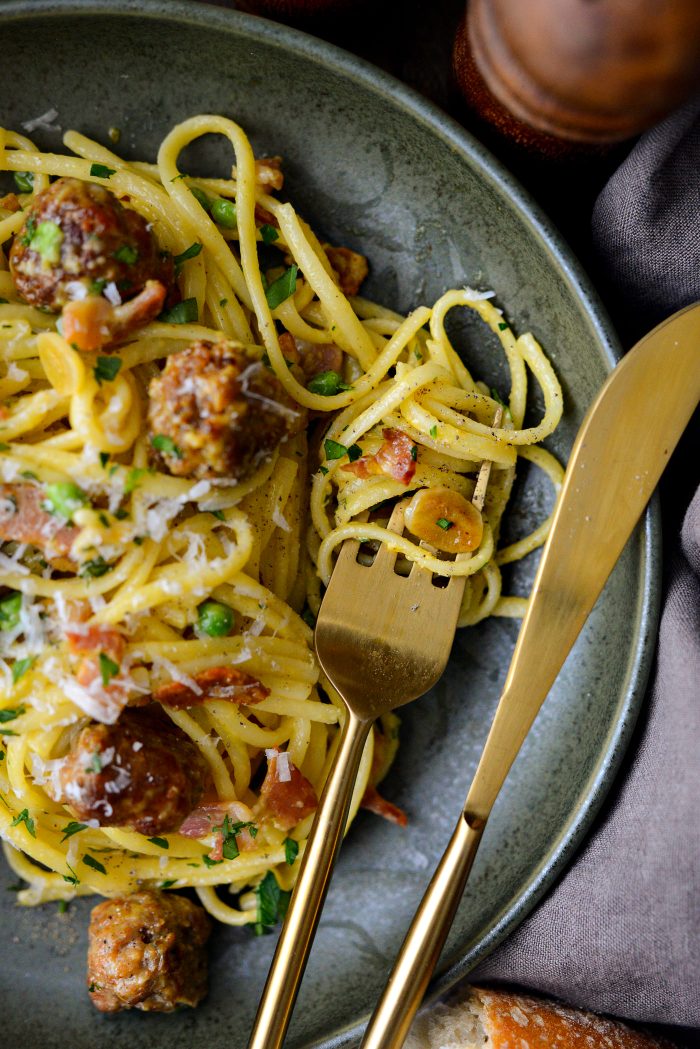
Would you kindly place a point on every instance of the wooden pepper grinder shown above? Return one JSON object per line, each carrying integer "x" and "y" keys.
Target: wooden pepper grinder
{"x": 565, "y": 76}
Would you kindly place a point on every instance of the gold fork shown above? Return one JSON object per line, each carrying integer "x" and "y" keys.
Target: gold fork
{"x": 383, "y": 639}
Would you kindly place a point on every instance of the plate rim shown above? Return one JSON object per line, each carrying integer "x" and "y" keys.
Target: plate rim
{"x": 572, "y": 271}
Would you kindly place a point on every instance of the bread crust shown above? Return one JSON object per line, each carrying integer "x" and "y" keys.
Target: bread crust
{"x": 515, "y": 1021}
{"x": 480, "y": 1018}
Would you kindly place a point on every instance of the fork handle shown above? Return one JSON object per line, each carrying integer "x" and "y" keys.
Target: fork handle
{"x": 391, "y": 1019}
{"x": 294, "y": 945}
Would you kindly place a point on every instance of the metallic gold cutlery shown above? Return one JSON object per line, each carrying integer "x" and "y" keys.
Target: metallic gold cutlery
{"x": 382, "y": 639}
{"x": 618, "y": 457}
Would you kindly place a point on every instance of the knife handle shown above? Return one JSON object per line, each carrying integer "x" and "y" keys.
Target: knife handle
{"x": 425, "y": 939}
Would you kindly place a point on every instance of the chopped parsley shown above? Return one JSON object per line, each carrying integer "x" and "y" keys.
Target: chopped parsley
{"x": 71, "y": 878}
{"x": 201, "y": 196}
{"x": 162, "y": 843}
{"x": 64, "y": 498}
{"x": 186, "y": 312}
{"x": 166, "y": 445}
{"x": 229, "y": 832}
{"x": 94, "y": 987}
{"x": 20, "y": 667}
{"x": 209, "y": 862}
{"x": 269, "y": 234}
{"x": 127, "y": 254}
{"x": 272, "y": 903}
{"x": 10, "y": 714}
{"x": 103, "y": 519}
{"x": 95, "y": 763}
{"x": 101, "y": 171}
{"x": 47, "y": 241}
{"x": 414, "y": 452}
{"x": 10, "y": 608}
{"x": 502, "y": 326}
{"x": 29, "y": 231}
{"x": 282, "y": 288}
{"x": 218, "y": 514}
{"x": 443, "y": 523}
{"x": 107, "y": 369}
{"x": 108, "y": 668}
{"x": 327, "y": 384}
{"x": 62, "y": 906}
{"x": 97, "y": 286}
{"x": 104, "y": 459}
{"x": 95, "y": 568}
{"x": 291, "y": 850}
{"x": 335, "y": 450}
{"x": 433, "y": 431}
{"x": 323, "y": 470}
{"x": 90, "y": 861}
{"x": 72, "y": 828}
{"x": 167, "y": 884}
{"x": 223, "y": 302}
{"x": 26, "y": 819}
{"x": 132, "y": 479}
{"x": 24, "y": 180}
{"x": 497, "y": 397}
{"x": 188, "y": 253}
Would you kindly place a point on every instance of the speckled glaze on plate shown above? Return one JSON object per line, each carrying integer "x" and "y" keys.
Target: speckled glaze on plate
{"x": 375, "y": 167}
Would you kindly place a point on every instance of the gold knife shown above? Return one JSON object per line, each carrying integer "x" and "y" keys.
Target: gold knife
{"x": 621, "y": 450}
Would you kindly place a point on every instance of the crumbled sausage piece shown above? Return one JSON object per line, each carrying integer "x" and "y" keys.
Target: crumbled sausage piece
{"x": 89, "y": 236}
{"x": 142, "y": 773}
{"x": 146, "y": 951}
{"x": 221, "y": 409}
{"x": 350, "y": 267}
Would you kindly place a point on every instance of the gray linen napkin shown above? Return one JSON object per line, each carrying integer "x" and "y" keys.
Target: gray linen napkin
{"x": 619, "y": 933}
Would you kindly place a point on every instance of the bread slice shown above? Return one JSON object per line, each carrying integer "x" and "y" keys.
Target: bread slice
{"x": 485, "y": 1019}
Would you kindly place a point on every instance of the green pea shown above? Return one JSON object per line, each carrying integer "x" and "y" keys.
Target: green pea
{"x": 215, "y": 619}
{"x": 224, "y": 213}
{"x": 10, "y": 607}
{"x": 63, "y": 498}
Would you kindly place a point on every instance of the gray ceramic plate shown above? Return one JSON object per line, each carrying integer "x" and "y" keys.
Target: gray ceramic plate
{"x": 375, "y": 167}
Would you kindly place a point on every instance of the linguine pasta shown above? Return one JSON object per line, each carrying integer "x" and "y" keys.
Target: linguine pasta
{"x": 151, "y": 547}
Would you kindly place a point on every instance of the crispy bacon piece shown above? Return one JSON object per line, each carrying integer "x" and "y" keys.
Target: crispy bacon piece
{"x": 97, "y": 639}
{"x": 23, "y": 520}
{"x": 394, "y": 458}
{"x": 210, "y": 814}
{"x": 312, "y": 357}
{"x": 287, "y": 796}
{"x": 374, "y": 802}
{"x": 94, "y": 641}
{"x": 349, "y": 266}
{"x": 89, "y": 324}
{"x": 268, "y": 172}
{"x": 216, "y": 683}
{"x": 10, "y": 202}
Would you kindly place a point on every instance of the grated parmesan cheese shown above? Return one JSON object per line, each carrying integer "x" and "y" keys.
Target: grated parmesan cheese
{"x": 284, "y": 770}
{"x": 44, "y": 122}
{"x": 111, "y": 293}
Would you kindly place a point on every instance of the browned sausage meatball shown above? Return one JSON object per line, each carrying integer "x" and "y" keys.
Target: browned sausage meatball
{"x": 79, "y": 233}
{"x": 146, "y": 952}
{"x": 142, "y": 773}
{"x": 217, "y": 411}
